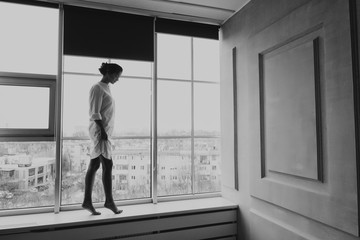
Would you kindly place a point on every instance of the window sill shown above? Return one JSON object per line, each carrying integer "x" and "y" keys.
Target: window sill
{"x": 40, "y": 221}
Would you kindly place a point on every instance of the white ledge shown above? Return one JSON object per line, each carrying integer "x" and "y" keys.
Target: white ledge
{"x": 30, "y": 222}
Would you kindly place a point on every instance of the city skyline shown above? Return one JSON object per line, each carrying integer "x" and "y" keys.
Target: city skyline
{"x": 131, "y": 174}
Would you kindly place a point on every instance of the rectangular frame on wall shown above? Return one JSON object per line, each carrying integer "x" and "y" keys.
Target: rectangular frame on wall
{"x": 308, "y": 42}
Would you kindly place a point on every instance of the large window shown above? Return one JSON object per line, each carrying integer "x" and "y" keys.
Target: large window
{"x": 28, "y": 67}
{"x": 188, "y": 115}
{"x": 185, "y": 155}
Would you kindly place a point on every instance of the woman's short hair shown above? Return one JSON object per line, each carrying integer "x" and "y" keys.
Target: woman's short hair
{"x": 110, "y": 68}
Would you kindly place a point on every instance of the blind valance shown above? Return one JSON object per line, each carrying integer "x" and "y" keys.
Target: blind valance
{"x": 33, "y": 3}
{"x": 191, "y": 29}
{"x": 109, "y": 34}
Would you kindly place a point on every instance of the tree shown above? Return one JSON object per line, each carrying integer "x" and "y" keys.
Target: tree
{"x": 66, "y": 161}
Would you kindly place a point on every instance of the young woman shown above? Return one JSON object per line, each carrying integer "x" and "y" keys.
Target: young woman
{"x": 101, "y": 112}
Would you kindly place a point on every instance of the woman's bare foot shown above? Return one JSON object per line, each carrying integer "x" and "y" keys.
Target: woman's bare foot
{"x": 112, "y": 207}
{"x": 90, "y": 208}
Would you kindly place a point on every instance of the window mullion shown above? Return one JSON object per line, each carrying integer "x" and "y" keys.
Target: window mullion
{"x": 154, "y": 171}
{"x": 192, "y": 120}
{"x": 58, "y": 131}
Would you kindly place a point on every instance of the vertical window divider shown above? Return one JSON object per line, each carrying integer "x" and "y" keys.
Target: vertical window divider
{"x": 192, "y": 120}
{"x": 58, "y": 116}
{"x": 154, "y": 182}
{"x": 151, "y": 131}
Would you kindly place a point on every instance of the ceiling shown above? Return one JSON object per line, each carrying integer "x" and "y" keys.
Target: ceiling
{"x": 204, "y": 11}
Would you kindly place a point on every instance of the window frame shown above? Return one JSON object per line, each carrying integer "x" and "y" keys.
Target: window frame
{"x": 55, "y": 82}
{"x": 31, "y": 80}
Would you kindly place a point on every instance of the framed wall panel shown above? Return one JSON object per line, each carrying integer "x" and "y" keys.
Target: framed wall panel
{"x": 291, "y": 108}
{"x": 301, "y": 76}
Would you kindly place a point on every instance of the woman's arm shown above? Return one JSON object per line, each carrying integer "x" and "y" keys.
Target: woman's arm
{"x": 103, "y": 134}
{"x": 95, "y": 101}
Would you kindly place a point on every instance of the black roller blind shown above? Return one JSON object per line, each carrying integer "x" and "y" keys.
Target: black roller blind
{"x": 185, "y": 28}
{"x": 33, "y": 3}
{"x": 100, "y": 33}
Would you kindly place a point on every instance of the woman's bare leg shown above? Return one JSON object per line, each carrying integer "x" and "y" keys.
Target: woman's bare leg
{"x": 89, "y": 183}
{"x": 107, "y": 165}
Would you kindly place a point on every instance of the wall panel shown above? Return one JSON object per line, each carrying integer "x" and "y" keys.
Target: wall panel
{"x": 296, "y": 128}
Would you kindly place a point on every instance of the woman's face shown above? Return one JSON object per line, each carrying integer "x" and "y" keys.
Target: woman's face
{"x": 114, "y": 77}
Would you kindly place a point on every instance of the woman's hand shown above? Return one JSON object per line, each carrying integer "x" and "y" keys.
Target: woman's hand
{"x": 104, "y": 135}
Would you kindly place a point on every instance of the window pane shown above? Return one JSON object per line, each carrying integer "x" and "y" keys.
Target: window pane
{"x": 30, "y": 111}
{"x": 132, "y": 101}
{"x": 174, "y": 56}
{"x": 206, "y": 60}
{"x": 91, "y": 65}
{"x": 207, "y": 165}
{"x": 76, "y": 104}
{"x": 83, "y": 64}
{"x": 29, "y": 39}
{"x": 174, "y": 108}
{"x": 174, "y": 166}
{"x": 75, "y": 160}
{"x": 135, "y": 68}
{"x": 27, "y": 174}
{"x": 133, "y": 106}
{"x": 131, "y": 170}
{"x": 206, "y": 109}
